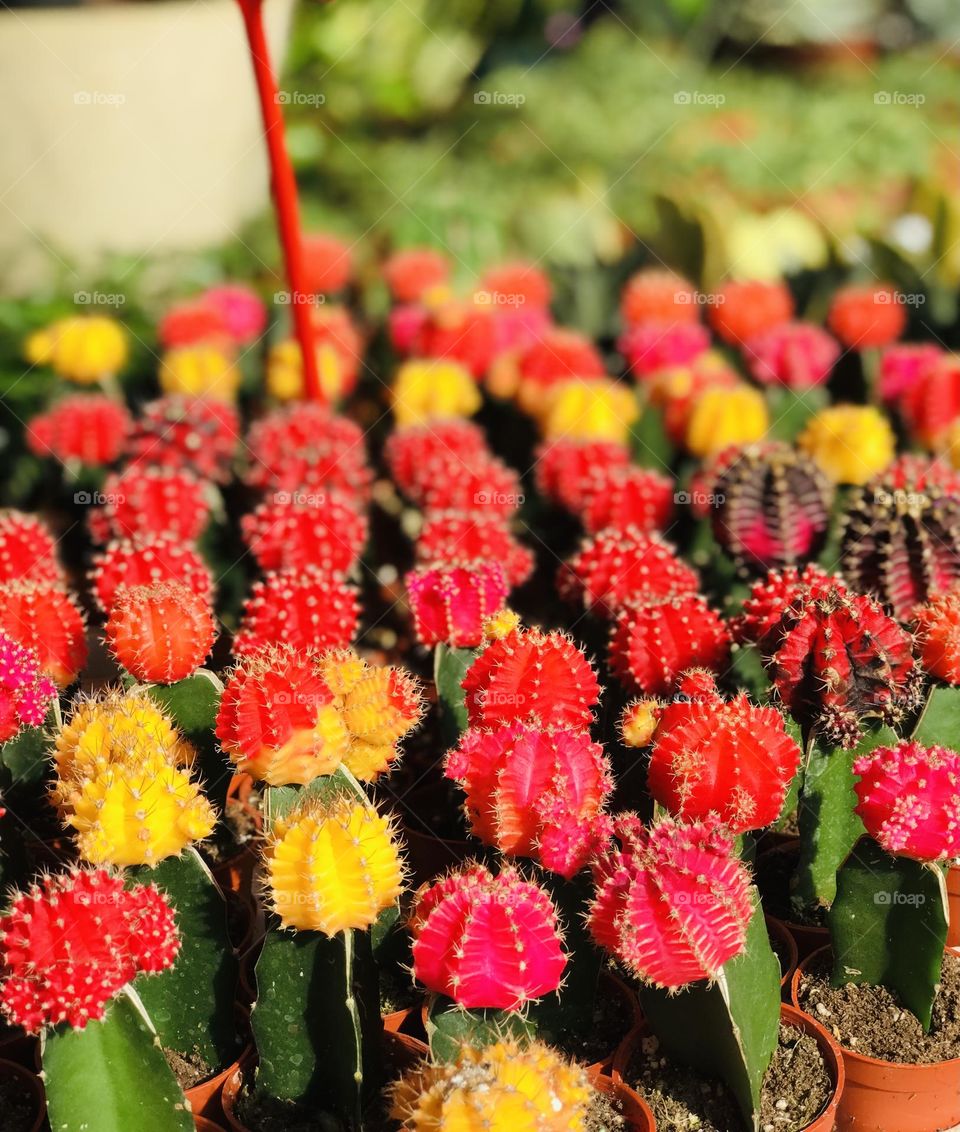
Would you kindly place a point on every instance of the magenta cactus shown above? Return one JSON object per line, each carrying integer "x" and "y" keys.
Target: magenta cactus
{"x": 909, "y": 800}
{"x": 450, "y": 604}
{"x": 534, "y": 792}
{"x": 672, "y": 901}
{"x": 485, "y": 940}
{"x": 25, "y": 692}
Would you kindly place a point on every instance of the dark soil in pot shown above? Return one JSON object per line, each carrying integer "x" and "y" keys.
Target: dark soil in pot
{"x": 774, "y": 874}
{"x": 267, "y": 1114}
{"x": 605, "y": 1115}
{"x": 796, "y": 1089}
{"x": 189, "y": 1069}
{"x": 871, "y": 1021}
{"x": 18, "y": 1104}
{"x": 612, "y": 1019}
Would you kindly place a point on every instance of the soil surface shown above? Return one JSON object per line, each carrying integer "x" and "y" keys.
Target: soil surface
{"x": 189, "y": 1069}
{"x": 612, "y": 1019}
{"x": 267, "y": 1114}
{"x": 871, "y": 1020}
{"x": 17, "y": 1105}
{"x": 604, "y": 1115}
{"x": 795, "y": 1089}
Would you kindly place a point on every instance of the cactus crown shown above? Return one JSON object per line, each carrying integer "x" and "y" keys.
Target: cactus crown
{"x": 323, "y": 529}
{"x": 161, "y": 632}
{"x": 27, "y": 549}
{"x": 144, "y": 560}
{"x": 938, "y": 636}
{"x": 44, "y": 617}
{"x": 25, "y": 692}
{"x": 451, "y": 603}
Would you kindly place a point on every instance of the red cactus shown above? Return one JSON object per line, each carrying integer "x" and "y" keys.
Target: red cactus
{"x": 635, "y": 498}
{"x": 43, "y": 617}
{"x": 533, "y": 676}
{"x": 141, "y": 501}
{"x": 307, "y": 608}
{"x": 451, "y": 604}
{"x": 27, "y": 549}
{"x": 320, "y": 529}
{"x": 656, "y": 295}
{"x": 25, "y": 693}
{"x": 866, "y": 317}
{"x": 558, "y": 355}
{"x": 191, "y": 322}
{"x": 415, "y": 454}
{"x": 453, "y": 537}
{"x": 619, "y": 566}
{"x": 86, "y": 428}
{"x": 795, "y": 354}
{"x": 565, "y": 468}
{"x": 160, "y": 633}
{"x": 673, "y": 901}
{"x": 903, "y": 364}
{"x": 412, "y": 271}
{"x": 770, "y": 596}
{"x": 483, "y": 484}
{"x": 520, "y": 283}
{"x": 655, "y": 640}
{"x": 938, "y": 636}
{"x": 487, "y": 941}
{"x": 841, "y": 659}
{"x": 458, "y": 331}
{"x": 327, "y": 262}
{"x": 144, "y": 560}
{"x": 742, "y": 310}
{"x": 534, "y": 793}
{"x": 651, "y": 347}
{"x": 69, "y": 944}
{"x": 909, "y": 800}
{"x": 726, "y": 757}
{"x": 932, "y": 404}
{"x": 187, "y": 432}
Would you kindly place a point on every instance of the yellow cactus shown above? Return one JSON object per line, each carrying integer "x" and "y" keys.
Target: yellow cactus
{"x": 597, "y": 409}
{"x": 503, "y": 1088}
{"x": 851, "y": 443}
{"x": 84, "y": 349}
{"x": 722, "y": 416}
{"x": 307, "y": 754}
{"x": 138, "y": 813}
{"x": 285, "y": 371}
{"x": 342, "y": 669}
{"x": 639, "y": 722}
{"x": 501, "y": 624}
{"x": 383, "y": 706}
{"x": 433, "y": 389}
{"x": 199, "y": 371}
{"x": 332, "y": 866}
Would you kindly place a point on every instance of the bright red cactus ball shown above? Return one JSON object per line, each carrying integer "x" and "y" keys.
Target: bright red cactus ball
{"x": 146, "y": 559}
{"x": 566, "y": 469}
{"x": 655, "y": 295}
{"x": 909, "y": 800}
{"x": 43, "y": 617}
{"x": 411, "y": 272}
{"x": 320, "y": 528}
{"x": 740, "y": 311}
{"x": 451, "y": 604}
{"x": 86, "y": 429}
{"x": 487, "y": 941}
{"x": 191, "y": 322}
{"x": 327, "y": 262}
{"x": 517, "y": 284}
{"x": 456, "y": 536}
{"x": 864, "y": 318}
{"x": 160, "y": 633}
{"x": 151, "y": 500}
{"x": 622, "y": 498}
{"x": 27, "y": 549}
{"x": 307, "y": 608}
{"x": 186, "y": 432}
{"x": 938, "y": 636}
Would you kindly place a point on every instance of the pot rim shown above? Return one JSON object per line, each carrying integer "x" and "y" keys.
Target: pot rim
{"x": 610, "y": 1087}
{"x": 35, "y": 1086}
{"x": 783, "y": 933}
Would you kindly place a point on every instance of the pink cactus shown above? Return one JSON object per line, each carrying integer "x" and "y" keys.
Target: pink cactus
{"x": 795, "y": 354}
{"x": 451, "y": 604}
{"x": 534, "y": 793}
{"x": 672, "y": 901}
{"x": 651, "y": 347}
{"x": 487, "y": 941}
{"x": 25, "y": 692}
{"x": 909, "y": 800}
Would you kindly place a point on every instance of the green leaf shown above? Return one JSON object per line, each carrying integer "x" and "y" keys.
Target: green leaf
{"x": 728, "y": 1028}
{"x": 112, "y": 1076}
{"x": 888, "y": 925}
{"x": 939, "y": 723}
{"x": 449, "y": 667}
{"x": 650, "y": 447}
{"x": 829, "y": 826}
{"x": 23, "y": 760}
{"x": 191, "y": 1004}
{"x": 450, "y": 1026}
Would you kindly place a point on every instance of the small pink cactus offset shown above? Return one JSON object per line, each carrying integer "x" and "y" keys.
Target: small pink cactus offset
{"x": 487, "y": 941}
{"x": 725, "y": 757}
{"x": 909, "y": 800}
{"x": 25, "y": 692}
{"x": 450, "y": 604}
{"x": 534, "y": 793}
{"x": 532, "y": 676}
{"x": 71, "y": 943}
{"x": 672, "y": 901}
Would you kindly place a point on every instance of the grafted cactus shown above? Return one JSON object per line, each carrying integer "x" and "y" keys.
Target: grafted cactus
{"x": 45, "y": 618}
{"x": 162, "y": 632}
{"x": 146, "y": 559}
{"x": 451, "y": 603}
{"x": 25, "y": 692}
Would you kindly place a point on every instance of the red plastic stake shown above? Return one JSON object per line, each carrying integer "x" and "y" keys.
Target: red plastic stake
{"x": 284, "y": 186}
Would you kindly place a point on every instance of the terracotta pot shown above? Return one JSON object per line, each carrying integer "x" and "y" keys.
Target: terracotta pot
{"x": 202, "y": 1124}
{"x": 427, "y": 854}
{"x": 205, "y": 1098}
{"x": 32, "y": 1086}
{"x": 807, "y": 937}
{"x": 635, "y": 1110}
{"x": 953, "y": 902}
{"x": 778, "y": 930}
{"x": 890, "y": 1096}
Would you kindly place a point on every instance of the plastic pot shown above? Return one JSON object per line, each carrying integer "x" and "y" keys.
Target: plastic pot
{"x": 953, "y": 903}
{"x": 634, "y": 1109}
{"x": 205, "y": 1097}
{"x": 891, "y": 1096}
{"x": 31, "y": 1086}
{"x": 777, "y": 930}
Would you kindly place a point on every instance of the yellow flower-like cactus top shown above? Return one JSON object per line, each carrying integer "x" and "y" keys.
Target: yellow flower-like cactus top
{"x": 285, "y": 371}
{"x": 332, "y": 866}
{"x": 501, "y": 624}
{"x": 597, "y": 409}
{"x": 428, "y": 390}
{"x": 84, "y": 349}
{"x": 722, "y": 417}
{"x": 503, "y": 1088}
{"x": 199, "y": 371}
{"x": 851, "y": 443}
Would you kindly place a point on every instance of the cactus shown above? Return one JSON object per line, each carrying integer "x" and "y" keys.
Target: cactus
{"x": 45, "y": 618}
{"x": 616, "y": 566}
{"x": 841, "y": 660}
{"x": 865, "y": 317}
{"x": 531, "y": 675}
{"x": 485, "y": 940}
{"x": 651, "y": 348}
{"x": 772, "y": 507}
{"x": 25, "y": 691}
{"x": 659, "y": 296}
{"x": 673, "y": 901}
{"x": 306, "y": 608}
{"x": 653, "y": 641}
{"x": 626, "y": 498}
{"x": 433, "y": 388}
{"x": 505, "y": 1087}
{"x": 84, "y": 349}
{"x": 325, "y": 530}
{"x": 278, "y": 719}
{"x": 743, "y": 309}
{"x": 80, "y": 429}
{"x": 410, "y": 272}
{"x": 724, "y": 757}
{"x": 555, "y": 356}
{"x": 160, "y": 633}
{"x": 416, "y": 454}
{"x": 903, "y": 365}
{"x": 455, "y": 331}
{"x": 472, "y": 484}
{"x": 763, "y": 608}
{"x": 27, "y": 549}
{"x": 455, "y": 537}
{"x": 533, "y": 792}
{"x": 798, "y": 355}
{"x": 937, "y": 635}
{"x": 146, "y": 559}
{"x": 565, "y": 468}
{"x": 147, "y": 500}
{"x": 194, "y": 433}
{"x": 931, "y": 405}
{"x": 901, "y": 537}
{"x": 451, "y": 604}
{"x": 851, "y": 443}
{"x": 639, "y": 721}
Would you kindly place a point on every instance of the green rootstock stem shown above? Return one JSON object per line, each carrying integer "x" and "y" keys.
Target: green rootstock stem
{"x": 449, "y": 666}
{"x": 939, "y": 722}
{"x": 888, "y": 925}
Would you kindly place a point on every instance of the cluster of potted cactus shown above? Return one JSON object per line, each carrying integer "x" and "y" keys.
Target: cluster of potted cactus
{"x": 589, "y": 764}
